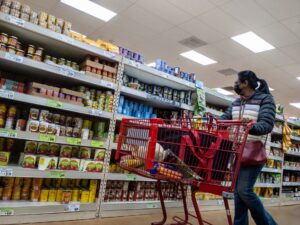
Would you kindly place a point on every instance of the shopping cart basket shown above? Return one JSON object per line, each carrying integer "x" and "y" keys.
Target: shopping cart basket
{"x": 204, "y": 154}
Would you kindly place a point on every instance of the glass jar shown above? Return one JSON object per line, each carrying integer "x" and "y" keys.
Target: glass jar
{"x": 31, "y": 49}
{"x": 14, "y": 12}
{"x": 61, "y": 61}
{"x": 12, "y": 40}
{"x": 11, "y": 49}
{"x": 3, "y": 47}
{"x": 39, "y": 51}
{"x": 3, "y": 38}
{"x": 4, "y": 9}
{"x": 37, "y": 57}
{"x": 16, "y": 5}
{"x": 20, "y": 52}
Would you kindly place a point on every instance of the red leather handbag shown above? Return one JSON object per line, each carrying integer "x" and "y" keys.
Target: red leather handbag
{"x": 254, "y": 154}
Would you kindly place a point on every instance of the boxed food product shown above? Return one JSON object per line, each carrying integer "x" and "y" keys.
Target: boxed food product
{"x": 99, "y": 155}
{"x": 33, "y": 126}
{"x": 47, "y": 163}
{"x": 34, "y": 114}
{"x": 74, "y": 164}
{"x": 43, "y": 148}
{"x": 43, "y": 127}
{"x": 53, "y": 149}
{"x": 87, "y": 166}
{"x": 4, "y": 158}
{"x": 29, "y": 161}
{"x": 98, "y": 166}
{"x": 30, "y": 147}
{"x": 84, "y": 153}
{"x": 64, "y": 163}
{"x": 66, "y": 151}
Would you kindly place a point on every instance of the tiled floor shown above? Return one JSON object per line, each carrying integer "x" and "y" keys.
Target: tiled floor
{"x": 288, "y": 215}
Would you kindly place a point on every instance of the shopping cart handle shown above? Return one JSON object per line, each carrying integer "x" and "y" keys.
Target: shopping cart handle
{"x": 249, "y": 123}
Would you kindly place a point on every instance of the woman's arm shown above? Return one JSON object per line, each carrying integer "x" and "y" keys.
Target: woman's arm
{"x": 227, "y": 115}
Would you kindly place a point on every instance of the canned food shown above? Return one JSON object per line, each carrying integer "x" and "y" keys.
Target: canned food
{"x": 52, "y": 195}
{"x": 14, "y": 12}
{"x": 34, "y": 17}
{"x": 25, "y": 193}
{"x": 12, "y": 40}
{"x": 84, "y": 196}
{"x": 20, "y": 52}
{"x": 77, "y": 122}
{"x": 69, "y": 131}
{"x": 29, "y": 56}
{"x": 7, "y": 193}
{"x": 39, "y": 51}
{"x": 35, "y": 195}
{"x": 12, "y": 111}
{"x": 3, "y": 109}
{"x": 16, "y": 5}
{"x": 43, "y": 16}
{"x": 59, "y": 195}
{"x": 7, "y": 3}
{"x": 25, "y": 9}
{"x": 3, "y": 38}
{"x": 61, "y": 61}
{"x": 44, "y": 195}
{"x": 24, "y": 16}
{"x": 75, "y": 195}
{"x": 4, "y": 9}
{"x": 11, "y": 49}
{"x": 16, "y": 195}
{"x": 66, "y": 196}
{"x": 54, "y": 60}
{"x": 9, "y": 124}
{"x": 69, "y": 63}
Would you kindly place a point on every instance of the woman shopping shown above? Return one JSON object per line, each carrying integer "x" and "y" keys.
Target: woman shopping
{"x": 256, "y": 104}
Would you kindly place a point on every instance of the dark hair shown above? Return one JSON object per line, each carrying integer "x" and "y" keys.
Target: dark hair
{"x": 253, "y": 81}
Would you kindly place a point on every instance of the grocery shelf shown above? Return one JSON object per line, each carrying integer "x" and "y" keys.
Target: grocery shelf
{"x": 18, "y": 171}
{"x": 30, "y": 99}
{"x": 291, "y": 168}
{"x": 216, "y": 98}
{"x": 271, "y": 170}
{"x": 150, "y": 75}
{"x": 274, "y": 145}
{"x": 267, "y": 185}
{"x": 127, "y": 177}
{"x": 292, "y": 153}
{"x": 44, "y": 70}
{"x": 291, "y": 184}
{"x": 26, "y": 135}
{"x": 61, "y": 45}
{"x": 274, "y": 157}
{"x": 296, "y": 138}
{"x": 121, "y": 116}
{"x": 155, "y": 101}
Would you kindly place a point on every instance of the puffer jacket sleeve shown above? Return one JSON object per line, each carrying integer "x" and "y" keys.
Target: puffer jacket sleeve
{"x": 227, "y": 115}
{"x": 266, "y": 117}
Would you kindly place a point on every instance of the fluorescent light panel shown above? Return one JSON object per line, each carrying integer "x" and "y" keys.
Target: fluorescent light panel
{"x": 198, "y": 58}
{"x": 91, "y": 8}
{"x": 298, "y": 78}
{"x": 253, "y": 42}
{"x": 297, "y": 105}
{"x": 152, "y": 64}
{"x": 223, "y": 91}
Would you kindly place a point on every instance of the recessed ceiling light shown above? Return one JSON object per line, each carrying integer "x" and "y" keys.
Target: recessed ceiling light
{"x": 223, "y": 91}
{"x": 152, "y": 64}
{"x": 91, "y": 8}
{"x": 198, "y": 58}
{"x": 253, "y": 42}
{"x": 297, "y": 105}
{"x": 298, "y": 78}
{"x": 271, "y": 89}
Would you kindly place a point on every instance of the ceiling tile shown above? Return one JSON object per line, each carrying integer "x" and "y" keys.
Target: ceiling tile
{"x": 293, "y": 24}
{"x": 248, "y": 12}
{"x": 165, "y": 10}
{"x": 281, "y": 9}
{"x": 292, "y": 51}
{"x": 254, "y": 63}
{"x": 202, "y": 31}
{"x": 232, "y": 48}
{"x": 276, "y": 57}
{"x": 293, "y": 69}
{"x": 277, "y": 34}
{"x": 194, "y": 7}
{"x": 219, "y": 2}
{"x": 145, "y": 18}
{"x": 223, "y": 22}
{"x": 214, "y": 53}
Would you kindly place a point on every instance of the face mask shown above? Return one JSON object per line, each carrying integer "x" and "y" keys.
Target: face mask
{"x": 237, "y": 89}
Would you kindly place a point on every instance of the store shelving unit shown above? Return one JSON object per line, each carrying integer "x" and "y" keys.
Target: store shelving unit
{"x": 29, "y": 212}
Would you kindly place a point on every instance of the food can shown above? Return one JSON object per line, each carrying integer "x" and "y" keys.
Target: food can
{"x": 3, "y": 109}
{"x": 35, "y": 195}
{"x": 3, "y": 38}
{"x": 66, "y": 196}
{"x": 59, "y": 195}
{"x": 4, "y": 9}
{"x": 7, "y": 193}
{"x": 76, "y": 132}
{"x": 14, "y": 12}
{"x": 16, "y": 193}
{"x": 25, "y": 193}
{"x": 12, "y": 111}
{"x": 75, "y": 195}
{"x": 25, "y": 9}
{"x": 9, "y": 124}
{"x": 77, "y": 122}
{"x": 3, "y": 47}
{"x": 24, "y": 16}
{"x": 85, "y": 134}
{"x": 61, "y": 61}
{"x": 44, "y": 195}
{"x": 85, "y": 194}
{"x": 52, "y": 195}
{"x": 37, "y": 57}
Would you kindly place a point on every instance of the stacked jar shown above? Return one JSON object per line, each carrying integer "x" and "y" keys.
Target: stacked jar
{"x": 10, "y": 44}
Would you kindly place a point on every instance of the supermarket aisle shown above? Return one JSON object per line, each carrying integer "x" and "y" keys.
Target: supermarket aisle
{"x": 284, "y": 215}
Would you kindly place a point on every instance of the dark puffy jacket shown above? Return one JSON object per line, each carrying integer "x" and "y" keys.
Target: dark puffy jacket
{"x": 259, "y": 107}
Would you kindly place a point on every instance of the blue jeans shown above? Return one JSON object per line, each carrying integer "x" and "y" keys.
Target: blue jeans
{"x": 245, "y": 198}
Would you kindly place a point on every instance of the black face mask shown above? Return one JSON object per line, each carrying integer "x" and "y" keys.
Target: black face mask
{"x": 237, "y": 89}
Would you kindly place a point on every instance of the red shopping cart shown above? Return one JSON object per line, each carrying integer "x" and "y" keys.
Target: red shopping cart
{"x": 204, "y": 154}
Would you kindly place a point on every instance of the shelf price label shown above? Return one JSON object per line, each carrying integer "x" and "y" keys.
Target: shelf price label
{"x": 55, "y": 104}
{"x": 6, "y": 172}
{"x": 7, "y": 211}
{"x": 67, "y": 72}
{"x": 67, "y": 39}
{"x": 152, "y": 205}
{"x": 7, "y": 94}
{"x": 97, "y": 144}
{"x": 8, "y": 133}
{"x": 57, "y": 174}
{"x": 74, "y": 141}
{"x": 110, "y": 55}
{"x": 131, "y": 177}
{"x": 107, "y": 84}
{"x": 72, "y": 208}
{"x": 14, "y": 58}
{"x": 47, "y": 137}
{"x": 15, "y": 20}
{"x": 95, "y": 112}
{"x": 220, "y": 202}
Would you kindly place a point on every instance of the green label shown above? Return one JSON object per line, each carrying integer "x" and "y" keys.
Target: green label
{"x": 7, "y": 211}
{"x": 97, "y": 144}
{"x": 47, "y": 137}
{"x": 8, "y": 133}
{"x": 131, "y": 177}
{"x": 152, "y": 205}
{"x": 57, "y": 174}
{"x": 54, "y": 104}
{"x": 73, "y": 141}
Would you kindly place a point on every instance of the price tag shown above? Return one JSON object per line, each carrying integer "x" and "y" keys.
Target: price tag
{"x": 55, "y": 104}
{"x": 13, "y": 57}
{"x": 67, "y": 39}
{"x": 97, "y": 144}
{"x": 73, "y": 141}
{"x": 7, "y": 94}
{"x": 106, "y": 84}
{"x": 7, "y": 211}
{"x": 72, "y": 208}
{"x": 131, "y": 177}
{"x": 6, "y": 172}
{"x": 15, "y": 20}
{"x": 57, "y": 174}
{"x": 95, "y": 112}
{"x": 47, "y": 137}
{"x": 67, "y": 72}
{"x": 8, "y": 133}
{"x": 152, "y": 205}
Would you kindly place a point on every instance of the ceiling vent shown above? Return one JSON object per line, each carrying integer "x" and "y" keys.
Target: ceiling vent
{"x": 228, "y": 72}
{"x": 192, "y": 42}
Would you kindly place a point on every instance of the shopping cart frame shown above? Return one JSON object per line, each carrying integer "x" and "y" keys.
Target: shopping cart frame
{"x": 196, "y": 185}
